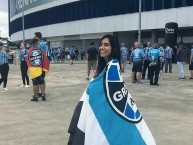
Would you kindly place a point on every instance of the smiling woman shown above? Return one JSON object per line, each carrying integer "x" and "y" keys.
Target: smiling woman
{"x": 106, "y": 113}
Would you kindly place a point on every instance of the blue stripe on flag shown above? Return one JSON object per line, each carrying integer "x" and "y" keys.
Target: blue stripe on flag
{"x": 129, "y": 112}
{"x": 113, "y": 73}
{"x": 117, "y": 130}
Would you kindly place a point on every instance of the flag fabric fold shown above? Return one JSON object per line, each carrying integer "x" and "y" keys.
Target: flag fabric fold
{"x": 108, "y": 114}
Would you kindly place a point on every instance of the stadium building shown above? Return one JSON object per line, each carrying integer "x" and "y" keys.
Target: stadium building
{"x": 78, "y": 22}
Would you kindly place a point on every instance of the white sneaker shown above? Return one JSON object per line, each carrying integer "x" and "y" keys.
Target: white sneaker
{"x": 22, "y": 85}
{"x": 27, "y": 86}
{"x": 5, "y": 89}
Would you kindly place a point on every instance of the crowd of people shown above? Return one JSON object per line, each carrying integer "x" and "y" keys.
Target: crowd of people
{"x": 106, "y": 92}
{"x": 59, "y": 55}
{"x": 155, "y": 60}
{"x": 147, "y": 61}
{"x": 35, "y": 59}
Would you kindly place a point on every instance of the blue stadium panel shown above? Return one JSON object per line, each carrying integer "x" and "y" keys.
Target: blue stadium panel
{"x": 86, "y": 9}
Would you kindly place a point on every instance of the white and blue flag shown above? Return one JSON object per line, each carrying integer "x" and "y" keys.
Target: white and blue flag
{"x": 108, "y": 114}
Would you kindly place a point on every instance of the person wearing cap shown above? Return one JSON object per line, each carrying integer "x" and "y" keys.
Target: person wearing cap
{"x": 4, "y": 64}
{"x": 124, "y": 53}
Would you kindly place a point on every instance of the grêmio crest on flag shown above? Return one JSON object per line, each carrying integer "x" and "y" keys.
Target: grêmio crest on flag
{"x": 118, "y": 96}
{"x": 36, "y": 57}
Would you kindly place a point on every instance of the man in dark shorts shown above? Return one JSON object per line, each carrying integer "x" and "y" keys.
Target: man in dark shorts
{"x": 137, "y": 56}
{"x": 91, "y": 57}
{"x": 42, "y": 44}
{"x": 38, "y": 65}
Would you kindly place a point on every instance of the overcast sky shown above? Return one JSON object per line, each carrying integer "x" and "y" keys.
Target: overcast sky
{"x": 4, "y": 18}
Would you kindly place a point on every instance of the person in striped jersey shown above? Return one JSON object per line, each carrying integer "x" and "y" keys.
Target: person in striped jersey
{"x": 4, "y": 64}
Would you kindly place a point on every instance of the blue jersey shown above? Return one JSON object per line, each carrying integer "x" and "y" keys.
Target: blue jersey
{"x": 162, "y": 53}
{"x": 137, "y": 55}
{"x": 192, "y": 53}
{"x": 124, "y": 52}
{"x": 146, "y": 51}
{"x": 72, "y": 51}
{"x": 22, "y": 54}
{"x": 4, "y": 56}
{"x": 43, "y": 45}
{"x": 169, "y": 52}
{"x": 154, "y": 55}
{"x": 59, "y": 50}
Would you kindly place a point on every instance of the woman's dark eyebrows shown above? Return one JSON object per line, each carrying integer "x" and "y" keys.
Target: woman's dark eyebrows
{"x": 104, "y": 43}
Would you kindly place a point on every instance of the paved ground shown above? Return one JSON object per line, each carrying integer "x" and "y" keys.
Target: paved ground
{"x": 167, "y": 108}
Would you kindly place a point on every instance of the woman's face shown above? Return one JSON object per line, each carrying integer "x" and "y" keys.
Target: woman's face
{"x": 22, "y": 46}
{"x": 105, "y": 49}
{"x": 4, "y": 48}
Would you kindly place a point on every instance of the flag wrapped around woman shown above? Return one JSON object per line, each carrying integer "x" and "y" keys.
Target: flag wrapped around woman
{"x": 106, "y": 113}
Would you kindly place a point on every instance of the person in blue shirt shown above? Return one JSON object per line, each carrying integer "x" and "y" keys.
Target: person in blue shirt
{"x": 4, "y": 64}
{"x": 181, "y": 55}
{"x": 154, "y": 66}
{"x": 43, "y": 45}
{"x": 124, "y": 53}
{"x": 137, "y": 56}
{"x": 72, "y": 54}
{"x": 59, "y": 54}
{"x": 146, "y": 61}
{"x": 168, "y": 58}
{"x": 191, "y": 63}
{"x": 162, "y": 52}
{"x": 23, "y": 65}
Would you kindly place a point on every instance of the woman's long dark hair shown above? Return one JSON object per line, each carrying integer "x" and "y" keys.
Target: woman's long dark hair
{"x": 23, "y": 44}
{"x": 115, "y": 52}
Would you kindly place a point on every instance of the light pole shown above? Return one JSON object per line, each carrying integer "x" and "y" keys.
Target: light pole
{"x": 23, "y": 27}
{"x": 139, "y": 27}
